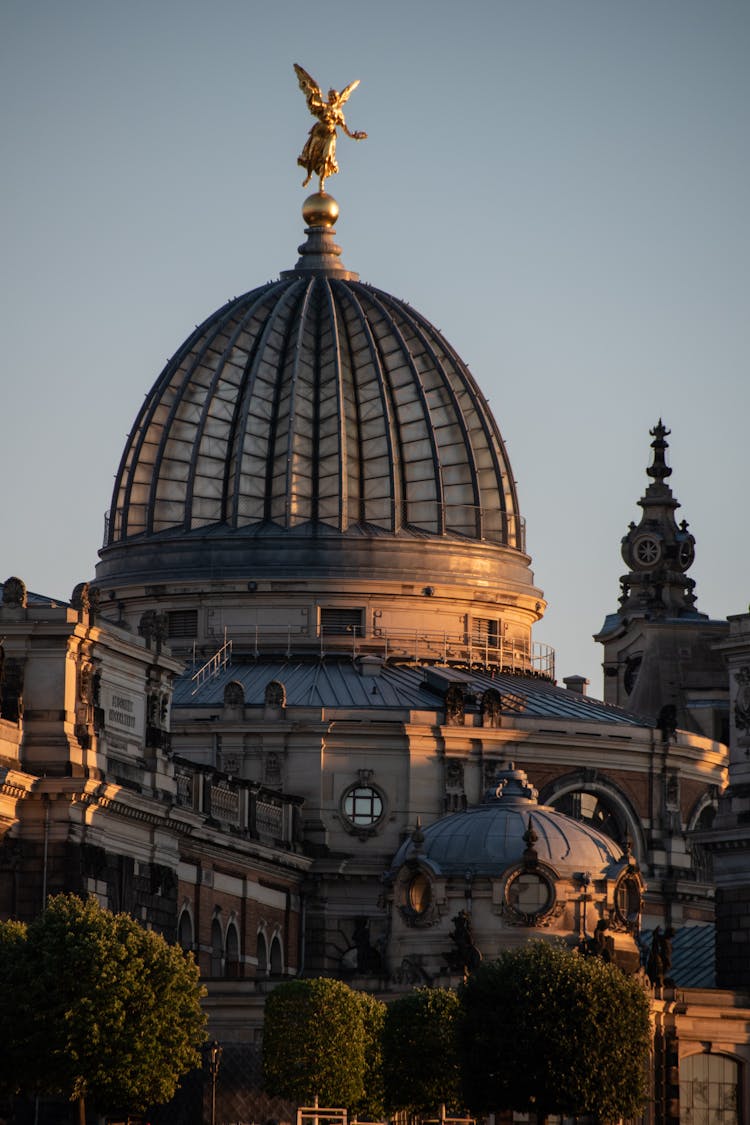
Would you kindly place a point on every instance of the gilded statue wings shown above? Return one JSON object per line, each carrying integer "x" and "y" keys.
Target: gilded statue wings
{"x": 313, "y": 94}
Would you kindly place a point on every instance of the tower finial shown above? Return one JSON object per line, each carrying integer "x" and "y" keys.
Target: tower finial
{"x": 659, "y": 470}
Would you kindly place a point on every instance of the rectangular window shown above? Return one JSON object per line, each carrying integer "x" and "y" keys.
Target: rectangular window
{"x": 341, "y": 622}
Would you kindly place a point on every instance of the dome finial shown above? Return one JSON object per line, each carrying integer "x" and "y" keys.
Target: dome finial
{"x": 319, "y": 253}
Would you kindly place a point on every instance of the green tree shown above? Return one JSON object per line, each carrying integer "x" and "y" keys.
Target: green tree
{"x": 107, "y": 1011}
{"x": 420, "y": 1061}
{"x": 15, "y": 981}
{"x": 314, "y": 1043}
{"x": 373, "y": 1012}
{"x": 543, "y": 1028}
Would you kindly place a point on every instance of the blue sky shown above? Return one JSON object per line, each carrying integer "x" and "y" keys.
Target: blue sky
{"x": 560, "y": 186}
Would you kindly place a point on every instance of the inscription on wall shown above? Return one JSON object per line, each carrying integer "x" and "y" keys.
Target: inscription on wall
{"x": 123, "y": 711}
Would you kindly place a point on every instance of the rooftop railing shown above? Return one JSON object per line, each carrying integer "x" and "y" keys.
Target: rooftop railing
{"x": 417, "y": 646}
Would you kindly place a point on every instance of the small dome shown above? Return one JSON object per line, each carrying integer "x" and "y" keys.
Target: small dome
{"x": 495, "y": 835}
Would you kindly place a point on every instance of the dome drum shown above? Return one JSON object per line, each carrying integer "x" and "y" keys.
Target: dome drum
{"x": 376, "y": 604}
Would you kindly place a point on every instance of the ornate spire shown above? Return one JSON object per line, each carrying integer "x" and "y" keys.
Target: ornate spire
{"x": 660, "y": 470}
{"x": 657, "y": 551}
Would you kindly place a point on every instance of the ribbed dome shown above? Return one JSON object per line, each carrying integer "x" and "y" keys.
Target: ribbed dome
{"x": 315, "y": 400}
{"x": 493, "y": 836}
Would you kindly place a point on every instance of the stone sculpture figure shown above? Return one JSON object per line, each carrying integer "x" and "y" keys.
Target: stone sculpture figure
{"x": 318, "y": 157}
{"x": 14, "y": 592}
{"x": 465, "y": 956}
{"x": 660, "y": 957}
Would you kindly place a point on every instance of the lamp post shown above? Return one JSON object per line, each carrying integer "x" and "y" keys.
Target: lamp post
{"x": 214, "y": 1062}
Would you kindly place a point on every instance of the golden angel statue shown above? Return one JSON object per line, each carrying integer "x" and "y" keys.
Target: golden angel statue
{"x": 318, "y": 157}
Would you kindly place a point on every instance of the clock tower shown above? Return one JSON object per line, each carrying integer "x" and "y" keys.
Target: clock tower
{"x": 659, "y": 657}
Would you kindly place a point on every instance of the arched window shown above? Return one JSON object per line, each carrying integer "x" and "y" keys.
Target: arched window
{"x": 709, "y": 1090}
{"x": 217, "y": 949}
{"x": 277, "y": 960}
{"x": 261, "y": 954}
{"x": 234, "y": 694}
{"x": 185, "y": 931}
{"x": 275, "y": 695}
{"x": 491, "y": 708}
{"x": 592, "y": 809}
{"x": 232, "y": 952}
{"x": 455, "y": 705}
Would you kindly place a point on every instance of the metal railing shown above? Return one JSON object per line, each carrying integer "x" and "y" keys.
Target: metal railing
{"x": 424, "y": 646}
{"x": 213, "y": 665}
{"x": 420, "y": 646}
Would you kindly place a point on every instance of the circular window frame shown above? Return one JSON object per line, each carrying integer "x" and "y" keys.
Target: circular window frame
{"x": 368, "y": 828}
{"x": 533, "y": 917}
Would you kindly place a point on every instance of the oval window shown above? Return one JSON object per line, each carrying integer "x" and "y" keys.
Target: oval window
{"x": 419, "y": 893}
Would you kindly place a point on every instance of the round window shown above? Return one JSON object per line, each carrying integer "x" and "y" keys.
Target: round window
{"x": 419, "y": 893}
{"x": 363, "y": 806}
{"x": 529, "y": 893}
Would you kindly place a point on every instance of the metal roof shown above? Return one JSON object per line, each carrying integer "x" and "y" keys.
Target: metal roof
{"x": 316, "y": 400}
{"x": 693, "y": 956}
{"x": 490, "y": 837}
{"x": 334, "y": 682}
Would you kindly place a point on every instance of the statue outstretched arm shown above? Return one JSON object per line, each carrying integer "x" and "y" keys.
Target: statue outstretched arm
{"x": 359, "y": 136}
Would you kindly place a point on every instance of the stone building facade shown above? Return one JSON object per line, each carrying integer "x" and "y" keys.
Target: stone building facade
{"x": 309, "y": 644}
{"x": 93, "y": 801}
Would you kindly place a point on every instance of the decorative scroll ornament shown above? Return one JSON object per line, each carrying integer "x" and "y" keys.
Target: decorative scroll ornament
{"x": 318, "y": 157}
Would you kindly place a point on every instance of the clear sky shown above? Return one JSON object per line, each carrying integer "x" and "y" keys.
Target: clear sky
{"x": 561, "y": 186}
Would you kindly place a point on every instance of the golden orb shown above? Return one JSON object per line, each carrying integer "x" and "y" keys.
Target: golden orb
{"x": 320, "y": 210}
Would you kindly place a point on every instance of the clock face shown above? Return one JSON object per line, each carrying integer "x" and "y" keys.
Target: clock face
{"x": 686, "y": 554}
{"x": 647, "y": 550}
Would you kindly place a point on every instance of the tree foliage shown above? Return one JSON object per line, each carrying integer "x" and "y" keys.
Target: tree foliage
{"x": 106, "y": 1010}
{"x": 420, "y": 1063}
{"x": 314, "y": 1043}
{"x": 15, "y": 980}
{"x": 543, "y": 1028}
{"x": 373, "y": 1013}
